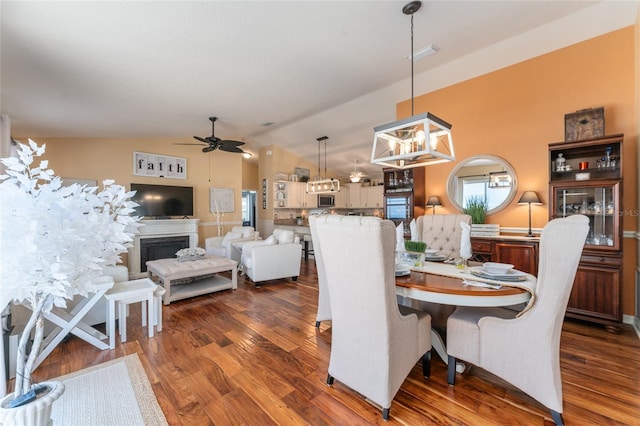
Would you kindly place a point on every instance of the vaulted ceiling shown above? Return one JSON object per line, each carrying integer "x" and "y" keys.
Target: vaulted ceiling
{"x": 311, "y": 68}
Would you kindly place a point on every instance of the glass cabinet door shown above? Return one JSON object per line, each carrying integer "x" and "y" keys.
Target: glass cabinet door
{"x": 599, "y": 204}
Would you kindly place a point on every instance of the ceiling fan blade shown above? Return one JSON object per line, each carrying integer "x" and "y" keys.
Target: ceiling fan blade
{"x": 193, "y": 144}
{"x": 209, "y": 148}
{"x": 231, "y": 149}
{"x": 231, "y": 143}
{"x": 200, "y": 139}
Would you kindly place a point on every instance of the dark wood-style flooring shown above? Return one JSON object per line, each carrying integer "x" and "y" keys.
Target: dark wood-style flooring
{"x": 254, "y": 357}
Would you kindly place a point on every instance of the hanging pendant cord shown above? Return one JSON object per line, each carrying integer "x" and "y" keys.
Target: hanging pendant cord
{"x": 319, "y": 175}
{"x": 325, "y": 158}
{"x": 411, "y": 58}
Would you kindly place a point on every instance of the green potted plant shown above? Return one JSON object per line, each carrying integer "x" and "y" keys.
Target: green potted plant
{"x": 476, "y": 207}
{"x": 55, "y": 242}
{"x": 415, "y": 250}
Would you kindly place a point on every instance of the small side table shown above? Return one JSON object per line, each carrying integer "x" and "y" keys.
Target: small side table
{"x": 124, "y": 293}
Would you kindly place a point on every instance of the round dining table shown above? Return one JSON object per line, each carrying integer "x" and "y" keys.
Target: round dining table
{"x": 434, "y": 288}
{"x": 447, "y": 290}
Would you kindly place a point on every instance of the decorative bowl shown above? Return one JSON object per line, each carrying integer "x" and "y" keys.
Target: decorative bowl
{"x": 497, "y": 268}
{"x": 431, "y": 252}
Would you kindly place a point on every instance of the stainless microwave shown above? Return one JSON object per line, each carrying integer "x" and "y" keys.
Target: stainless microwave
{"x": 326, "y": 200}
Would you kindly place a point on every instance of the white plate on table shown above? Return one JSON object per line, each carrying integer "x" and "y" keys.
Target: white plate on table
{"x": 512, "y": 275}
{"x": 402, "y": 271}
{"x": 435, "y": 257}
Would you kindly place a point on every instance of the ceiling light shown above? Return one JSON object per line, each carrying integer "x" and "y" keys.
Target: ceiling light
{"x": 417, "y": 141}
{"x": 355, "y": 175}
{"x": 246, "y": 154}
{"x": 322, "y": 185}
{"x": 424, "y": 52}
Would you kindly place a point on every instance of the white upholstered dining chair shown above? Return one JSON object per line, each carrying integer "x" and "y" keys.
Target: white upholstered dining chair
{"x": 324, "y": 307}
{"x": 525, "y": 350}
{"x": 374, "y": 342}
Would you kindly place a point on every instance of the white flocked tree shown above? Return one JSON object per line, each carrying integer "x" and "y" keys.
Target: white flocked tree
{"x": 54, "y": 240}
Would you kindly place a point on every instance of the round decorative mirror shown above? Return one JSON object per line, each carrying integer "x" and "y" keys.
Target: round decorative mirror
{"x": 487, "y": 176}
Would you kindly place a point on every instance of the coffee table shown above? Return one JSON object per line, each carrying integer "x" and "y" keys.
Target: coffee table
{"x": 170, "y": 270}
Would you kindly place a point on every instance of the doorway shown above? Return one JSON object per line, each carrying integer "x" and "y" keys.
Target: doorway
{"x": 249, "y": 208}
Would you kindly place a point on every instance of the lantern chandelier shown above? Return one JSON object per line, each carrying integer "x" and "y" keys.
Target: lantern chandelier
{"x": 420, "y": 140}
{"x": 322, "y": 185}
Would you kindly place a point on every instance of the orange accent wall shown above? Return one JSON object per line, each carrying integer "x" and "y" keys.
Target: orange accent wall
{"x": 517, "y": 111}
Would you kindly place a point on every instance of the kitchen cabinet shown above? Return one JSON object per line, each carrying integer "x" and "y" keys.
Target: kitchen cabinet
{"x": 521, "y": 252}
{"x": 354, "y": 195}
{"x": 342, "y": 198}
{"x": 585, "y": 177}
{"x": 293, "y": 195}
{"x": 372, "y": 197}
{"x": 308, "y": 201}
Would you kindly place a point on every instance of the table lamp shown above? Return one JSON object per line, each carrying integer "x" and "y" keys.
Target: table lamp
{"x": 529, "y": 197}
{"x": 432, "y": 202}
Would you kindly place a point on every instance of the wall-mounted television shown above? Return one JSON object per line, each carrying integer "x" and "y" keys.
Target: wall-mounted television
{"x": 163, "y": 200}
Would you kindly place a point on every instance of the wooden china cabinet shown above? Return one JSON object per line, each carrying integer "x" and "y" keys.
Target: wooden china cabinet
{"x": 404, "y": 196}
{"x": 585, "y": 177}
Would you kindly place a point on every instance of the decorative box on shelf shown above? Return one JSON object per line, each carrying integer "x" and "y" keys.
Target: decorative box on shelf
{"x": 584, "y": 124}
{"x": 485, "y": 230}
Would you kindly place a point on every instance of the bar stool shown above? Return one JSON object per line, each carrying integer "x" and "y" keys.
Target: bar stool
{"x": 307, "y": 242}
{"x": 127, "y": 292}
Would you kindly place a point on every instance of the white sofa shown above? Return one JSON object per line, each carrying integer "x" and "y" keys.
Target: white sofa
{"x": 222, "y": 246}
{"x": 278, "y": 256}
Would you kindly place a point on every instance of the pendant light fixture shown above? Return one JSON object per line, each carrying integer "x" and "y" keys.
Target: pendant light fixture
{"x": 417, "y": 141}
{"x": 322, "y": 185}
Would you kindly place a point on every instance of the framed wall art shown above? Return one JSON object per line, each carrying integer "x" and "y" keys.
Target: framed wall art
{"x": 264, "y": 194}
{"x": 221, "y": 200}
{"x": 162, "y": 166}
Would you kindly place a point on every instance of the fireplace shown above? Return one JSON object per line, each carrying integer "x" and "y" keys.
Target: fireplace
{"x": 160, "y": 248}
{"x": 158, "y": 239}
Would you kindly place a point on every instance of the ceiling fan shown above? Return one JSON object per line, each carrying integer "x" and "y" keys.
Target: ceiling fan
{"x": 214, "y": 142}
{"x": 355, "y": 175}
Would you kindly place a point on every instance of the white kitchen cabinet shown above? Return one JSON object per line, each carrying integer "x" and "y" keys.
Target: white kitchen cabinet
{"x": 354, "y": 195}
{"x": 342, "y": 198}
{"x": 372, "y": 197}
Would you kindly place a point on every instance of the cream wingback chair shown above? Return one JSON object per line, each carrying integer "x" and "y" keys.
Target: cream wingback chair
{"x": 525, "y": 351}
{"x": 374, "y": 343}
{"x": 221, "y": 246}
{"x": 442, "y": 232}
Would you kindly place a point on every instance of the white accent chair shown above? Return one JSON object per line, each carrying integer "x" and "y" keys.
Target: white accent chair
{"x": 525, "y": 350}
{"x": 442, "y": 232}
{"x": 278, "y": 256}
{"x": 375, "y": 343}
{"x": 222, "y": 246}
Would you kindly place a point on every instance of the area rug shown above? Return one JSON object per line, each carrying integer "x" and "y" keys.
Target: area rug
{"x": 116, "y": 392}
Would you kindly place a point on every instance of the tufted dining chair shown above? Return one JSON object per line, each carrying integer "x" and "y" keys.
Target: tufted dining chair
{"x": 442, "y": 232}
{"x": 525, "y": 350}
{"x": 374, "y": 342}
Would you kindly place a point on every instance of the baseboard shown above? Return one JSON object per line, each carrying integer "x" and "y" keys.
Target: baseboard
{"x": 633, "y": 322}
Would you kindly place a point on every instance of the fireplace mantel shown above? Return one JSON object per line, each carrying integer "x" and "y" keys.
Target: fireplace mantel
{"x": 156, "y": 229}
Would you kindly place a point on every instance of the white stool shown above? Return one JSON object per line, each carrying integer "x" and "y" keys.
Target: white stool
{"x": 125, "y": 293}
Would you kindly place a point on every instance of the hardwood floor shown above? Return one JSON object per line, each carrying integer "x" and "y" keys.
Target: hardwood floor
{"x": 254, "y": 357}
